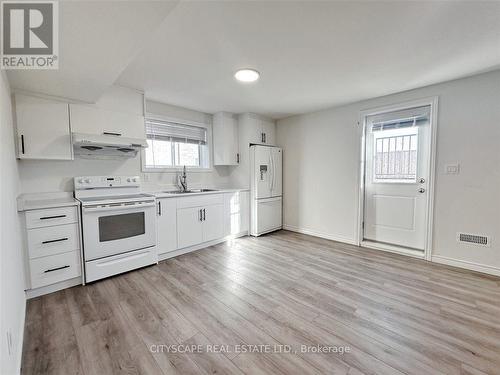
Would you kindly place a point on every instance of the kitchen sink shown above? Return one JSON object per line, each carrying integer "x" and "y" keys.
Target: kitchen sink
{"x": 189, "y": 191}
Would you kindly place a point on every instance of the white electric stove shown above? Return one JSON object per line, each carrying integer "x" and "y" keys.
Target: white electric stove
{"x": 118, "y": 225}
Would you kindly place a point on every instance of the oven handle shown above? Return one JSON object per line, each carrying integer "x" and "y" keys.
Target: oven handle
{"x": 120, "y": 207}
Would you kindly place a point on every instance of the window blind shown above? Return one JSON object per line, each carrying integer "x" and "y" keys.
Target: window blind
{"x": 175, "y": 132}
{"x": 400, "y": 119}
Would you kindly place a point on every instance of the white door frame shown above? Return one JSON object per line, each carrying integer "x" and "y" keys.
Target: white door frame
{"x": 433, "y": 102}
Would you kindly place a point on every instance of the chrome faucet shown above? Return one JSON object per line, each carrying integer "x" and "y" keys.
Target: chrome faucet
{"x": 183, "y": 180}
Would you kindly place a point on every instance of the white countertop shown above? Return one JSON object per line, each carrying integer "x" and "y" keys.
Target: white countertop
{"x": 26, "y": 202}
{"x": 164, "y": 194}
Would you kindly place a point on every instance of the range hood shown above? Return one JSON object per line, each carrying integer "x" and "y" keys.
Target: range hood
{"x": 95, "y": 146}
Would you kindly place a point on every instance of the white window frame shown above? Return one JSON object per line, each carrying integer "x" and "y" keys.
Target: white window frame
{"x": 175, "y": 169}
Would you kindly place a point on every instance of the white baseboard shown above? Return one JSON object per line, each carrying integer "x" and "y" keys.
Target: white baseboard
{"x": 32, "y": 293}
{"x": 320, "y": 234}
{"x": 467, "y": 265}
{"x": 21, "y": 341}
{"x": 200, "y": 246}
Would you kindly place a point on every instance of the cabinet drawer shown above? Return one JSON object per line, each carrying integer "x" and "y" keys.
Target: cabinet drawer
{"x": 51, "y": 216}
{"x": 53, "y": 240}
{"x": 200, "y": 200}
{"x": 54, "y": 268}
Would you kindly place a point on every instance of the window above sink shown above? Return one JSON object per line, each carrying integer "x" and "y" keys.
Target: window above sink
{"x": 173, "y": 144}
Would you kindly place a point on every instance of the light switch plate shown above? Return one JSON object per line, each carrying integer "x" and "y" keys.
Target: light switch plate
{"x": 452, "y": 168}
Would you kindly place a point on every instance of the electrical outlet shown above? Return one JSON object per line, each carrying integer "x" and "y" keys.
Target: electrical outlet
{"x": 452, "y": 168}
{"x": 9, "y": 342}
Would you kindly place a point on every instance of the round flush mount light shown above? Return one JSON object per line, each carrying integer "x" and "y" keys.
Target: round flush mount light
{"x": 247, "y": 75}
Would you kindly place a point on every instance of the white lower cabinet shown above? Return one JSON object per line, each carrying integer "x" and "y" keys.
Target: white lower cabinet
{"x": 167, "y": 225}
{"x": 53, "y": 245}
{"x": 236, "y": 213}
{"x": 199, "y": 219}
{"x": 213, "y": 222}
{"x": 190, "y": 227}
{"x": 192, "y": 220}
{"x": 55, "y": 268}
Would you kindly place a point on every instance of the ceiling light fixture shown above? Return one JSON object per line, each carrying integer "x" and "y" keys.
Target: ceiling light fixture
{"x": 247, "y": 75}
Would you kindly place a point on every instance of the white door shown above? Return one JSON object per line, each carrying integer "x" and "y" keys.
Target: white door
{"x": 261, "y": 157}
{"x": 167, "y": 225}
{"x": 277, "y": 174}
{"x": 189, "y": 227}
{"x": 396, "y": 177}
{"x": 213, "y": 222}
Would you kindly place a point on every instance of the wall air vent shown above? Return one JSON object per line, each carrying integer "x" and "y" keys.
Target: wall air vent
{"x": 473, "y": 239}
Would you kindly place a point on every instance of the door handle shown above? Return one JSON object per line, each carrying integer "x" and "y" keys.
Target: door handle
{"x": 159, "y": 208}
{"x": 22, "y": 143}
{"x": 421, "y": 180}
{"x": 421, "y": 190}
{"x": 112, "y": 133}
{"x": 52, "y": 217}
{"x": 55, "y": 269}
{"x": 204, "y": 215}
{"x": 58, "y": 240}
{"x": 201, "y": 215}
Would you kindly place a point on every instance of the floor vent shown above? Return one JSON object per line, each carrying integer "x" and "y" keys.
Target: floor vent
{"x": 473, "y": 239}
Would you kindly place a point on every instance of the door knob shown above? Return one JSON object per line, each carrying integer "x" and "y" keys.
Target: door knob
{"x": 422, "y": 180}
{"x": 421, "y": 190}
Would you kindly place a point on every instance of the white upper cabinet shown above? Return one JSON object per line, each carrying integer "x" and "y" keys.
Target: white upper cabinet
{"x": 269, "y": 131}
{"x": 93, "y": 120}
{"x": 225, "y": 139}
{"x": 257, "y": 130}
{"x": 43, "y": 128}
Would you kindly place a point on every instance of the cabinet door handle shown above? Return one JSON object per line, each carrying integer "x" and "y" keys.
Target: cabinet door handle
{"x": 22, "y": 143}
{"x": 52, "y": 217}
{"x": 159, "y": 208}
{"x": 55, "y": 269}
{"x": 201, "y": 215}
{"x": 238, "y": 158}
{"x": 264, "y": 137}
{"x": 58, "y": 240}
{"x": 111, "y": 133}
{"x": 204, "y": 215}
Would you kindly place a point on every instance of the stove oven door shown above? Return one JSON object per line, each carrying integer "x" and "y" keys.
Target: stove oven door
{"x": 118, "y": 228}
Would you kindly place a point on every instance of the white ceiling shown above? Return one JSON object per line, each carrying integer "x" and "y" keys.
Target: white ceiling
{"x": 311, "y": 55}
{"x": 97, "y": 40}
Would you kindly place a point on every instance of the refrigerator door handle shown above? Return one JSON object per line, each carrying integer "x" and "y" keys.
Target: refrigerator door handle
{"x": 274, "y": 172}
{"x": 271, "y": 177}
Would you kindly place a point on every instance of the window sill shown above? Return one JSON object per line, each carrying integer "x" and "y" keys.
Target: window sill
{"x": 176, "y": 170}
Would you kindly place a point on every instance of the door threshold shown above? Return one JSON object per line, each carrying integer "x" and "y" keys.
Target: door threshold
{"x": 420, "y": 254}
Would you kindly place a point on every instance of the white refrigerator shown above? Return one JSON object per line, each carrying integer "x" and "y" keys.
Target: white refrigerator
{"x": 266, "y": 189}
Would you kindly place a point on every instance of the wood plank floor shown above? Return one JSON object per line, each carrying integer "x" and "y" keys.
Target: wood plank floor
{"x": 394, "y": 314}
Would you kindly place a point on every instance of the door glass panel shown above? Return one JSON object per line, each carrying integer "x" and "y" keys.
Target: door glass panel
{"x": 395, "y": 156}
{"x": 116, "y": 227}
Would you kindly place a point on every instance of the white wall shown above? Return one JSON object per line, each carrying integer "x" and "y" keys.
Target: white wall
{"x": 46, "y": 176}
{"x": 321, "y": 154}
{"x": 12, "y": 299}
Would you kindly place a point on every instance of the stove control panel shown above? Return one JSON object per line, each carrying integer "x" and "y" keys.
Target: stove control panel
{"x": 92, "y": 182}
